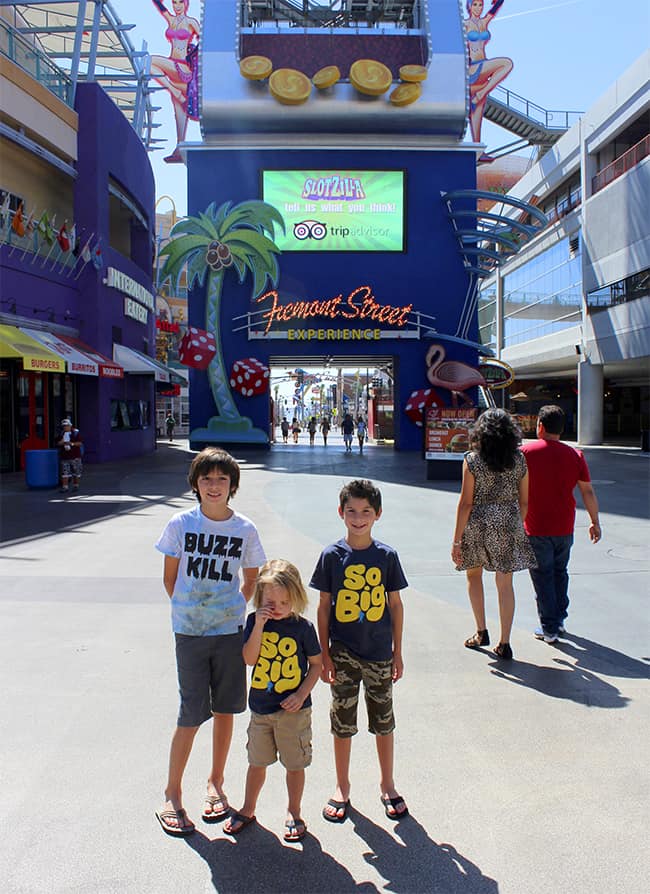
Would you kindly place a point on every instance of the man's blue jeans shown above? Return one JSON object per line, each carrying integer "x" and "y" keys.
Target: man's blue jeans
{"x": 551, "y": 579}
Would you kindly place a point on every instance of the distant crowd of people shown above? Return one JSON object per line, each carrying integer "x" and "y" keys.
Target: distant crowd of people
{"x": 349, "y": 426}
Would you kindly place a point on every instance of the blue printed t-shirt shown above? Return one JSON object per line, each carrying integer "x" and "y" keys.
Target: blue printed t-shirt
{"x": 207, "y": 598}
{"x": 283, "y": 662}
{"x": 359, "y": 581}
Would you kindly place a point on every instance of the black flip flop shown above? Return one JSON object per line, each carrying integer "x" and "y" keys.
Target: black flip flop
{"x": 239, "y": 818}
{"x": 394, "y": 803}
{"x": 176, "y": 831}
{"x": 336, "y": 805}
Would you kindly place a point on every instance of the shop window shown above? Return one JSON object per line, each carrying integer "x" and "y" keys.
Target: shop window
{"x": 130, "y": 415}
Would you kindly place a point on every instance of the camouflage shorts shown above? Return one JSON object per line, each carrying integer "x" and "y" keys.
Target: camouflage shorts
{"x": 378, "y": 692}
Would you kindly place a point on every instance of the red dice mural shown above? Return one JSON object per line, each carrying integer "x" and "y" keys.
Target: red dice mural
{"x": 249, "y": 377}
{"x": 197, "y": 348}
{"x": 421, "y": 400}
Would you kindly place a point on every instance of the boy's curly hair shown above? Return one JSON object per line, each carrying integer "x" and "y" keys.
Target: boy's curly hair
{"x": 361, "y": 489}
{"x": 281, "y": 573}
{"x": 209, "y": 459}
{"x": 496, "y": 437}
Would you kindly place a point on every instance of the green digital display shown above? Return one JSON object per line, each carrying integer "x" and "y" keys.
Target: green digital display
{"x": 337, "y": 210}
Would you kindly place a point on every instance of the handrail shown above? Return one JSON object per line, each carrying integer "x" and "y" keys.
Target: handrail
{"x": 35, "y": 62}
{"x": 620, "y": 165}
{"x": 551, "y": 120}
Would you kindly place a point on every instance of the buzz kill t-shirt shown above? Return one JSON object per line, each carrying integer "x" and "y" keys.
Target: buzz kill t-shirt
{"x": 207, "y": 598}
{"x": 359, "y": 581}
{"x": 283, "y": 661}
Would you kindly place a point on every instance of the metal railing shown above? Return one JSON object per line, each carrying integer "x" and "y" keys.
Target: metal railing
{"x": 620, "y": 165}
{"x": 550, "y": 120}
{"x": 14, "y": 46}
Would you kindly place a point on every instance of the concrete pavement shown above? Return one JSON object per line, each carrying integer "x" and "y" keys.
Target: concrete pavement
{"x": 521, "y": 778}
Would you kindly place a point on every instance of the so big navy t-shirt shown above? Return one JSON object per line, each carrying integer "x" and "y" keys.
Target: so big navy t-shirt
{"x": 283, "y": 663}
{"x": 359, "y": 581}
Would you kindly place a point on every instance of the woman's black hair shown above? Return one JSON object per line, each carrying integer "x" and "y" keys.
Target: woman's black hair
{"x": 496, "y": 437}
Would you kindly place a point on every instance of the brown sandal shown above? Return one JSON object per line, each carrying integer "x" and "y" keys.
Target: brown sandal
{"x": 503, "y": 651}
{"x": 480, "y": 638}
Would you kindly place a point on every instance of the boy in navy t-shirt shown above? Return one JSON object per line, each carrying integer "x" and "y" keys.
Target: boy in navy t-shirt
{"x": 360, "y": 621}
{"x": 283, "y": 648}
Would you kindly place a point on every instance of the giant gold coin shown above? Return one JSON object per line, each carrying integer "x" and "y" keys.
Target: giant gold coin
{"x": 370, "y": 77}
{"x": 405, "y": 94}
{"x": 326, "y": 77}
{"x": 255, "y": 68}
{"x": 289, "y": 86}
{"x": 413, "y": 73}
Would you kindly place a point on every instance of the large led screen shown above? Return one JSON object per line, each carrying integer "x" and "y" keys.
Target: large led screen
{"x": 337, "y": 210}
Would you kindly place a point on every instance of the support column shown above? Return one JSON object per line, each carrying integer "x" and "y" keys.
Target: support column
{"x": 590, "y": 402}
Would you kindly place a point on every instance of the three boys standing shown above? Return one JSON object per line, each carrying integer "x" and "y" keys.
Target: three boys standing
{"x": 211, "y": 566}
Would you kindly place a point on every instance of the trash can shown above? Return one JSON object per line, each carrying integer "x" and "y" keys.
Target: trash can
{"x": 41, "y": 468}
{"x": 645, "y": 440}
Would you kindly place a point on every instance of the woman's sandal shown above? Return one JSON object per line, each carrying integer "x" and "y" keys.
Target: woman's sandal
{"x": 480, "y": 638}
{"x": 503, "y": 651}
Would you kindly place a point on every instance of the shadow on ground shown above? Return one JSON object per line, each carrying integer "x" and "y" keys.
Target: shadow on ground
{"x": 259, "y": 863}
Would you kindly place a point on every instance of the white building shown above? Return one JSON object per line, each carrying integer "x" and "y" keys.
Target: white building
{"x": 571, "y": 311}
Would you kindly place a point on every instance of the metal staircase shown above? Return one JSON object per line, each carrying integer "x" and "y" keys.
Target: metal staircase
{"x": 525, "y": 119}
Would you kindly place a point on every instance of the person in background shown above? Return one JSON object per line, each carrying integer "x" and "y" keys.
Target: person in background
{"x": 325, "y": 429}
{"x": 284, "y": 428}
{"x": 295, "y": 429}
{"x": 170, "y": 424}
{"x": 362, "y": 431}
{"x": 489, "y": 532}
{"x": 347, "y": 428}
{"x": 312, "y": 427}
{"x": 555, "y": 469}
{"x": 70, "y": 447}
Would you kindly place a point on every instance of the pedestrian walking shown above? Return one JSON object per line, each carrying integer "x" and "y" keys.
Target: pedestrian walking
{"x": 347, "y": 428}
{"x": 555, "y": 469}
{"x": 361, "y": 432}
{"x": 170, "y": 424}
{"x": 489, "y": 532}
{"x": 325, "y": 429}
{"x": 70, "y": 446}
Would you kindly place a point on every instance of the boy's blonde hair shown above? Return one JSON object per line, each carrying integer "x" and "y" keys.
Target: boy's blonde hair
{"x": 280, "y": 573}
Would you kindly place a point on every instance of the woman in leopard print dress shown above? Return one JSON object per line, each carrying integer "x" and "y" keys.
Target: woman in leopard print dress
{"x": 489, "y": 531}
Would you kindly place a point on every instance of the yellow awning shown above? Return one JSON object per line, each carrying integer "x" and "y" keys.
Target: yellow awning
{"x": 36, "y": 358}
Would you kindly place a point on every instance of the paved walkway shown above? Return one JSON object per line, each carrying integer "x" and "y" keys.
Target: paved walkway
{"x": 521, "y": 779}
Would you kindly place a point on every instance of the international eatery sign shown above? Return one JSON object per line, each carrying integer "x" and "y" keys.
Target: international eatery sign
{"x": 137, "y": 300}
{"x": 357, "y": 316}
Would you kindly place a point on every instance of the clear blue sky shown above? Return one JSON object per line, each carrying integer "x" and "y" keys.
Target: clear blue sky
{"x": 565, "y": 54}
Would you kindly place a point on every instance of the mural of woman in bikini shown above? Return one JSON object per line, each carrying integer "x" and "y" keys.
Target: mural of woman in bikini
{"x": 484, "y": 73}
{"x": 179, "y": 73}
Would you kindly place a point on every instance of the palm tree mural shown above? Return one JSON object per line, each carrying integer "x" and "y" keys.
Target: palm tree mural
{"x": 239, "y": 236}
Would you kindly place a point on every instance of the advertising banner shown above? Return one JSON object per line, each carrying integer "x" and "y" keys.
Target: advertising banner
{"x": 446, "y": 432}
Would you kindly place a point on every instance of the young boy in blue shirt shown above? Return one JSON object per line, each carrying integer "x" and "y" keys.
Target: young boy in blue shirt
{"x": 206, "y": 549}
{"x": 282, "y": 646}
{"x": 360, "y": 621}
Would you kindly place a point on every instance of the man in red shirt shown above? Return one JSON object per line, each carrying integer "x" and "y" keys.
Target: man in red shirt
{"x": 554, "y": 470}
